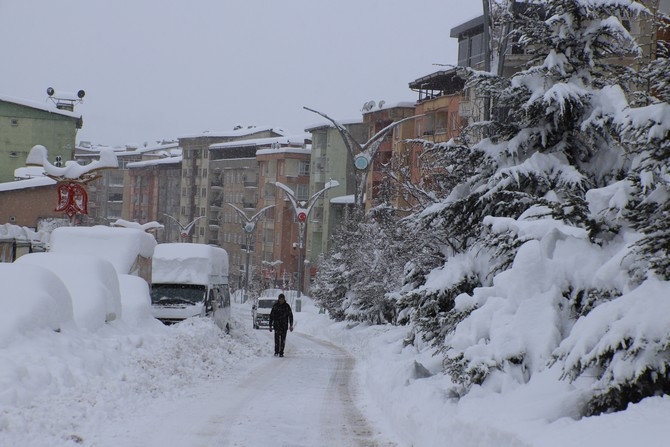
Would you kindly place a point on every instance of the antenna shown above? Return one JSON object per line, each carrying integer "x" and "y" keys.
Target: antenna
{"x": 65, "y": 100}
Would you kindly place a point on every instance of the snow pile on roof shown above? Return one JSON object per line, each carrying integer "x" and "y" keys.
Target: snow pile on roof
{"x": 39, "y": 106}
{"x": 239, "y": 132}
{"x": 328, "y": 124}
{"x": 120, "y": 246}
{"x": 188, "y": 263}
{"x": 290, "y": 140}
{"x": 27, "y": 183}
{"x": 28, "y": 172}
{"x": 9, "y": 231}
{"x": 158, "y": 161}
{"x": 144, "y": 227}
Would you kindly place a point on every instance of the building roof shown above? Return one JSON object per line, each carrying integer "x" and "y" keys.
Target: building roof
{"x": 387, "y": 106}
{"x": 291, "y": 140}
{"x": 242, "y": 131}
{"x": 468, "y": 27}
{"x": 39, "y": 106}
{"x": 327, "y": 124}
{"x": 447, "y": 81}
{"x": 35, "y": 182}
{"x": 158, "y": 161}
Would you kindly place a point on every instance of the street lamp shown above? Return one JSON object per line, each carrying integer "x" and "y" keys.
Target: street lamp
{"x": 362, "y": 155}
{"x": 185, "y": 230}
{"x": 302, "y": 210}
{"x": 249, "y": 226}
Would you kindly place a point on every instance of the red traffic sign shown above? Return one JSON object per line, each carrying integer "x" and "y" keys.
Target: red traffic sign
{"x": 302, "y": 216}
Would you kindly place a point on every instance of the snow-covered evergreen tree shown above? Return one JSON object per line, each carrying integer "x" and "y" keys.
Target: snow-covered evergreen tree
{"x": 552, "y": 139}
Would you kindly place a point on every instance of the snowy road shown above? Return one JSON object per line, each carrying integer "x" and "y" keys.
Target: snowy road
{"x": 307, "y": 398}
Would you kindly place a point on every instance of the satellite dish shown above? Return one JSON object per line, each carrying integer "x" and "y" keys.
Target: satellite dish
{"x": 81, "y": 94}
{"x": 381, "y": 103}
{"x": 50, "y": 91}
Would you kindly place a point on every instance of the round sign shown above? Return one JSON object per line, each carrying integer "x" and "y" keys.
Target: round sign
{"x": 361, "y": 162}
{"x": 302, "y": 216}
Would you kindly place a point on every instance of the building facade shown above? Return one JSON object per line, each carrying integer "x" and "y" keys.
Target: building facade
{"x": 153, "y": 187}
{"x": 234, "y": 180}
{"x": 24, "y": 124}
{"x": 277, "y": 241}
{"x": 194, "y": 200}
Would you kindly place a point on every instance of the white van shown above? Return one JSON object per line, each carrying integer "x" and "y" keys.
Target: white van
{"x": 262, "y": 306}
{"x": 189, "y": 280}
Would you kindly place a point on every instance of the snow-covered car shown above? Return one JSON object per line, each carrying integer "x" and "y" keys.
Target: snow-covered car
{"x": 92, "y": 283}
{"x": 33, "y": 298}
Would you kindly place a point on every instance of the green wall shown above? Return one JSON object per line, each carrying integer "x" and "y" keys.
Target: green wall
{"x": 22, "y": 127}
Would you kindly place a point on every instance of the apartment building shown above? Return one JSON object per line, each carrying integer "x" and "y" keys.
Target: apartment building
{"x": 234, "y": 179}
{"x": 330, "y": 161}
{"x": 106, "y": 195}
{"x": 278, "y": 237}
{"x": 380, "y": 187}
{"x": 195, "y": 179}
{"x": 153, "y": 187}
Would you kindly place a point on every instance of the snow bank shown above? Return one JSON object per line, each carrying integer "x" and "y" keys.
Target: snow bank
{"x": 135, "y": 299}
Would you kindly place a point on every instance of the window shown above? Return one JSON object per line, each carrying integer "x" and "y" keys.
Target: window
{"x": 15, "y": 122}
{"x": 303, "y": 169}
{"x": 302, "y": 191}
{"x": 463, "y": 52}
{"x": 476, "y": 49}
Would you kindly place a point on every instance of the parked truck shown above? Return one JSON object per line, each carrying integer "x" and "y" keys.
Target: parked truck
{"x": 189, "y": 280}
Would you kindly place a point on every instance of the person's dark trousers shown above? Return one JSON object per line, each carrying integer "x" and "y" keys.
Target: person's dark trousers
{"x": 280, "y": 341}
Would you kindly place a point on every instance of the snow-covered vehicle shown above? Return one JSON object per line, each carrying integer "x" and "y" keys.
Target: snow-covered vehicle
{"x": 189, "y": 280}
{"x": 262, "y": 306}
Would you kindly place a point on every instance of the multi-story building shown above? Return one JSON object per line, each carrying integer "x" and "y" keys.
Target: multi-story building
{"x": 194, "y": 200}
{"x": 153, "y": 187}
{"x": 106, "y": 194}
{"x": 24, "y": 124}
{"x": 330, "y": 161}
{"x": 380, "y": 187}
{"x": 277, "y": 243}
{"x": 234, "y": 179}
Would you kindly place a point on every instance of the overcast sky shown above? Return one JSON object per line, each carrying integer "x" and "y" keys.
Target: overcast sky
{"x": 161, "y": 69}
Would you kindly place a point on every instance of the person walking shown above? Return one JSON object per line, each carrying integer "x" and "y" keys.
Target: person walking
{"x": 281, "y": 319}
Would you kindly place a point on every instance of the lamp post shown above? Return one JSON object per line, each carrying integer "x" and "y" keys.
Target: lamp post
{"x": 184, "y": 230}
{"x": 362, "y": 155}
{"x": 302, "y": 210}
{"x": 249, "y": 226}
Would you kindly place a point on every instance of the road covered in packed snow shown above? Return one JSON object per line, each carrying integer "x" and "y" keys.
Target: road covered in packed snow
{"x": 306, "y": 398}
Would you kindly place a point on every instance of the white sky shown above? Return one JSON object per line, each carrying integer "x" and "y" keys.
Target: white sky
{"x": 161, "y": 69}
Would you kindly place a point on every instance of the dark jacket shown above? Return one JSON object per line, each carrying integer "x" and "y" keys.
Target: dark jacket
{"x": 281, "y": 316}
